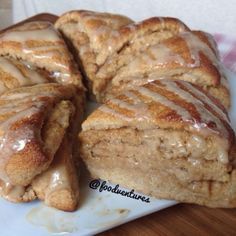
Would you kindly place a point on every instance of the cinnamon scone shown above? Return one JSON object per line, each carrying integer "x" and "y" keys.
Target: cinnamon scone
{"x": 58, "y": 185}
{"x": 36, "y": 122}
{"x": 35, "y": 53}
{"x": 39, "y": 45}
{"x": 14, "y": 74}
{"x": 105, "y": 43}
{"x": 168, "y": 139}
{"x": 190, "y": 56}
{"x": 115, "y": 57}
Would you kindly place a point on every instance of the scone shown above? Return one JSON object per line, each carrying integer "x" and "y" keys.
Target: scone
{"x": 167, "y": 139}
{"x": 34, "y": 53}
{"x": 58, "y": 185}
{"x": 36, "y": 122}
{"x": 39, "y": 45}
{"x": 190, "y": 56}
{"x": 105, "y": 43}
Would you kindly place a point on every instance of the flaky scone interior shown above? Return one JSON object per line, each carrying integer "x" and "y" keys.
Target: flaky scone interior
{"x": 167, "y": 139}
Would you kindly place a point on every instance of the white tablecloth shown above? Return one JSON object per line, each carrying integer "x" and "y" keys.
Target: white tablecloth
{"x": 208, "y": 15}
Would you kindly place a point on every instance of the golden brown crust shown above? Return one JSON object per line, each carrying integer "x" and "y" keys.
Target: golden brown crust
{"x": 35, "y": 119}
{"x": 173, "y": 132}
{"x": 113, "y": 52}
{"x": 111, "y": 32}
{"x": 188, "y": 56}
{"x": 58, "y": 185}
{"x": 96, "y": 41}
{"x": 24, "y": 115}
{"x": 16, "y": 194}
{"x": 15, "y": 74}
{"x": 96, "y": 18}
{"x": 115, "y": 56}
{"x": 165, "y": 104}
{"x": 41, "y": 46}
{"x": 77, "y": 39}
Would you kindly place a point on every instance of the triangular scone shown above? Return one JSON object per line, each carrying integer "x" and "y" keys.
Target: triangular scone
{"x": 35, "y": 125}
{"x": 28, "y": 59}
{"x": 190, "y": 56}
{"x": 102, "y": 37}
{"x": 58, "y": 185}
{"x": 167, "y": 139}
{"x": 39, "y": 45}
{"x": 33, "y": 122}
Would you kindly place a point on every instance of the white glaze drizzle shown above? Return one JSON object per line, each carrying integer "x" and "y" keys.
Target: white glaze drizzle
{"x": 10, "y": 192}
{"x": 38, "y": 34}
{"x": 134, "y": 97}
{"x": 140, "y": 109}
{"x": 196, "y": 45}
{"x": 9, "y": 67}
{"x": 17, "y": 107}
{"x": 106, "y": 109}
{"x": 171, "y": 86}
{"x": 23, "y": 35}
{"x": 13, "y": 141}
{"x": 57, "y": 174}
{"x": 27, "y": 96}
{"x": 205, "y": 114}
{"x": 154, "y": 57}
{"x": 165, "y": 101}
{"x": 57, "y": 181}
{"x": 154, "y": 96}
{"x": 212, "y": 43}
{"x": 159, "y": 55}
{"x": 101, "y": 31}
{"x": 208, "y": 100}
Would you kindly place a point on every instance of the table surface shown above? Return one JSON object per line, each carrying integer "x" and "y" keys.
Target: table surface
{"x": 181, "y": 219}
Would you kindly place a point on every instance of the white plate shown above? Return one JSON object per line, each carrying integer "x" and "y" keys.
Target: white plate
{"x": 98, "y": 211}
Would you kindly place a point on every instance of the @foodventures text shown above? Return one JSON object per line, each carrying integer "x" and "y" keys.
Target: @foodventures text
{"x": 101, "y": 186}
